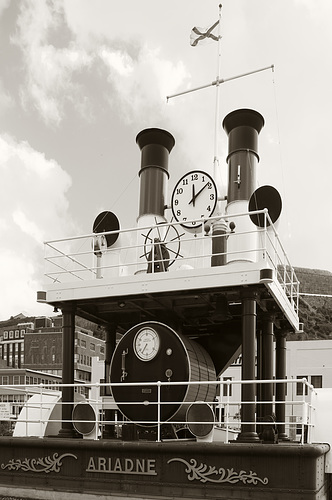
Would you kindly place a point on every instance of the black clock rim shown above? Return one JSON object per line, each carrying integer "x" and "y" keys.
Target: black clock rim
{"x": 187, "y": 226}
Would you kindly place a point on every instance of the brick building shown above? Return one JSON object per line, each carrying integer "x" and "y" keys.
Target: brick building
{"x": 37, "y": 345}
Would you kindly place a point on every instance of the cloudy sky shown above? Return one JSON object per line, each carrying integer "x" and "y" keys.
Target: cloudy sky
{"x": 80, "y": 78}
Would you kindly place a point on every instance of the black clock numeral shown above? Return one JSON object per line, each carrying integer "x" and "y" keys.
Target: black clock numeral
{"x": 178, "y": 213}
{"x": 209, "y": 185}
{"x": 211, "y": 196}
{"x": 194, "y": 177}
{"x": 179, "y": 191}
{"x": 176, "y": 202}
{"x": 208, "y": 208}
{"x": 203, "y": 178}
{"x": 185, "y": 182}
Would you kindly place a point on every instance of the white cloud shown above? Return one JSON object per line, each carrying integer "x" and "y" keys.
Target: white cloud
{"x": 33, "y": 207}
{"x": 142, "y": 83}
{"x": 50, "y": 69}
{"x": 117, "y": 60}
{"x": 3, "y": 5}
{"x": 27, "y": 226}
{"x": 6, "y": 101}
{"x": 56, "y": 73}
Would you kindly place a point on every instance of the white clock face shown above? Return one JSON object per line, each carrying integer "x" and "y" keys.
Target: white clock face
{"x": 146, "y": 344}
{"x": 194, "y": 197}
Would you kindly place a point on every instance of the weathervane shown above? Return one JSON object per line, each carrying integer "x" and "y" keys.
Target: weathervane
{"x": 202, "y": 34}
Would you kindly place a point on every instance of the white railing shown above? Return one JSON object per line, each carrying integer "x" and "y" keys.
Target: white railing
{"x": 136, "y": 250}
{"x": 42, "y": 411}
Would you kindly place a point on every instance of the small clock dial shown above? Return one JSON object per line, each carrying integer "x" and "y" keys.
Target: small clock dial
{"x": 146, "y": 344}
{"x": 194, "y": 197}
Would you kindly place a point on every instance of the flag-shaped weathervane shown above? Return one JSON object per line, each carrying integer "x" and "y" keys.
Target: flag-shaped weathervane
{"x": 199, "y": 34}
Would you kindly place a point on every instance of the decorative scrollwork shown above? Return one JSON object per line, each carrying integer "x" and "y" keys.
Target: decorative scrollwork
{"x": 46, "y": 464}
{"x": 204, "y": 473}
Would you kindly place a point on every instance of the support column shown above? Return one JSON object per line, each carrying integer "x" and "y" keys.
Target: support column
{"x": 267, "y": 366}
{"x": 68, "y": 345}
{"x": 109, "y": 429}
{"x": 248, "y": 430}
{"x": 267, "y": 428}
{"x": 281, "y": 388}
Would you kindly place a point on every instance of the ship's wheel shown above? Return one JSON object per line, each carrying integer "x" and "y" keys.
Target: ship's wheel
{"x": 164, "y": 241}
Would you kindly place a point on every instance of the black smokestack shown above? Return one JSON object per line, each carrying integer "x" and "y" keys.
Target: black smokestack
{"x": 242, "y": 127}
{"x": 155, "y": 145}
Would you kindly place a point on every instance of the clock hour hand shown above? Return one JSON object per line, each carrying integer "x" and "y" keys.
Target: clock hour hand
{"x": 194, "y": 196}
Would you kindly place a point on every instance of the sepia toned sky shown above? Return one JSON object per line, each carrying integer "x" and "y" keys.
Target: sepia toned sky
{"x": 80, "y": 78}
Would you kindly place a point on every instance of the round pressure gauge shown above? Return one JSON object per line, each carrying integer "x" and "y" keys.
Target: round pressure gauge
{"x": 146, "y": 344}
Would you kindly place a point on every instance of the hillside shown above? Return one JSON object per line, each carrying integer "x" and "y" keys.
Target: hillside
{"x": 315, "y": 307}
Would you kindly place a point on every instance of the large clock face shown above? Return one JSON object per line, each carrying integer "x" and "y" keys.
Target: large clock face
{"x": 146, "y": 344}
{"x": 194, "y": 197}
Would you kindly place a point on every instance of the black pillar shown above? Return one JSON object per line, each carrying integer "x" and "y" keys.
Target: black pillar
{"x": 248, "y": 430}
{"x": 267, "y": 366}
{"x": 68, "y": 346}
{"x": 281, "y": 388}
{"x": 109, "y": 429}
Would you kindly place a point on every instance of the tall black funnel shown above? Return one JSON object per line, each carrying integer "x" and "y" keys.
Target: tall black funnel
{"x": 242, "y": 127}
{"x": 155, "y": 145}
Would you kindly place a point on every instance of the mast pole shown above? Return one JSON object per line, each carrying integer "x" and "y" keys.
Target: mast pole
{"x": 215, "y": 156}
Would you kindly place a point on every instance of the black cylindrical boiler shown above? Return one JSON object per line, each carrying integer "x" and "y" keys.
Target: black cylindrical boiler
{"x": 152, "y": 352}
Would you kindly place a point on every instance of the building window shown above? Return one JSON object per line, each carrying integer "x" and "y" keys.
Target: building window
{"x": 17, "y": 334}
{"x": 93, "y": 347}
{"x": 225, "y": 386}
{"x": 11, "y": 334}
{"x": 83, "y": 344}
{"x": 300, "y": 387}
{"x": 5, "y": 334}
{"x": 22, "y": 333}
{"x": 317, "y": 381}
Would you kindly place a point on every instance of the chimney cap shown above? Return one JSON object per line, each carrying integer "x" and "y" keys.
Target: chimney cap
{"x": 243, "y": 117}
{"x": 155, "y": 136}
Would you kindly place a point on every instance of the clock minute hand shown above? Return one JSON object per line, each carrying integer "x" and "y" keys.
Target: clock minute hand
{"x": 197, "y": 194}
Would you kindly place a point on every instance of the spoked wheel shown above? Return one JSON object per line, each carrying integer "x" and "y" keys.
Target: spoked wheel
{"x": 164, "y": 240}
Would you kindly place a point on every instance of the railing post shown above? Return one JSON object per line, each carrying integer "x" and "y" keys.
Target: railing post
{"x": 41, "y": 411}
{"x": 228, "y": 385}
{"x": 304, "y": 410}
{"x": 310, "y": 412}
{"x": 159, "y": 412}
{"x": 109, "y": 429}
